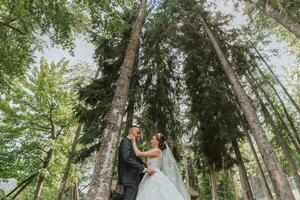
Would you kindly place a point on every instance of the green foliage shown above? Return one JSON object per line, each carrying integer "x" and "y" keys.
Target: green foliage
{"x": 21, "y": 23}
{"x": 37, "y": 115}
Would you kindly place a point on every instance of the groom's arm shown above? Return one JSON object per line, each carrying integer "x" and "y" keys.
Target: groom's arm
{"x": 125, "y": 149}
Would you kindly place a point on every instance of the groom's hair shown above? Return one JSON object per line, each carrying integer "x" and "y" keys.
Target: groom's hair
{"x": 135, "y": 126}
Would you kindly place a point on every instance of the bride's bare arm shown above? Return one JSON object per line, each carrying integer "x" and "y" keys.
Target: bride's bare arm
{"x": 151, "y": 153}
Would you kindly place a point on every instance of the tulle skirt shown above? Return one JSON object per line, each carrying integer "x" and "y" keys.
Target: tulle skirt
{"x": 158, "y": 187}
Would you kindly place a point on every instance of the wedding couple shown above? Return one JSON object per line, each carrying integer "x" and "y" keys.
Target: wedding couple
{"x": 158, "y": 180}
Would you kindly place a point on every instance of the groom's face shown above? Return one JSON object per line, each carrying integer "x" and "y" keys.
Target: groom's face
{"x": 136, "y": 132}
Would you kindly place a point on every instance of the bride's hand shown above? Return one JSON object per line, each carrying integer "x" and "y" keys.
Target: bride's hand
{"x": 132, "y": 138}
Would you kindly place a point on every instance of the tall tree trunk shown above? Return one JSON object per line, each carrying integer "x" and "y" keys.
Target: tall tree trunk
{"x": 186, "y": 169}
{"x": 288, "y": 116}
{"x": 261, "y": 172}
{"x": 102, "y": 176}
{"x": 69, "y": 163}
{"x": 75, "y": 191}
{"x": 286, "y": 21}
{"x": 283, "y": 189}
{"x": 278, "y": 115}
{"x": 39, "y": 187}
{"x": 131, "y": 96}
{"x": 277, "y": 79}
{"x": 278, "y": 137}
{"x": 290, "y": 24}
{"x": 242, "y": 170}
{"x": 213, "y": 184}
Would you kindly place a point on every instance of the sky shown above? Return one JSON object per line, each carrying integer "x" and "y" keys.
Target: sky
{"x": 83, "y": 52}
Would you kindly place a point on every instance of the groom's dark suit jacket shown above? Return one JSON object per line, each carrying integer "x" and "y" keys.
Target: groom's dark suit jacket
{"x": 130, "y": 167}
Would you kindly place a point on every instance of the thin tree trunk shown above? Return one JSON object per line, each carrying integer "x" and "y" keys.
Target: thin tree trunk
{"x": 24, "y": 186}
{"x": 75, "y": 191}
{"x": 243, "y": 173}
{"x": 69, "y": 163}
{"x": 278, "y": 115}
{"x": 22, "y": 183}
{"x": 283, "y": 189}
{"x": 277, "y": 79}
{"x": 39, "y": 187}
{"x": 225, "y": 181}
{"x": 72, "y": 152}
{"x": 288, "y": 116}
{"x": 11, "y": 27}
{"x": 261, "y": 172}
{"x": 102, "y": 176}
{"x": 213, "y": 184}
{"x": 98, "y": 71}
{"x": 278, "y": 137}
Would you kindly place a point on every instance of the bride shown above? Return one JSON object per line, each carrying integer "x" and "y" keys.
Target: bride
{"x": 166, "y": 184}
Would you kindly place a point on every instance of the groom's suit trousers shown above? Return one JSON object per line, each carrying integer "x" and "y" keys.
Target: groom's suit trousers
{"x": 130, "y": 192}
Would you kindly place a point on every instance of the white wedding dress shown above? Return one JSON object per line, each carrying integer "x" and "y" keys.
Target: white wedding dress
{"x": 158, "y": 186}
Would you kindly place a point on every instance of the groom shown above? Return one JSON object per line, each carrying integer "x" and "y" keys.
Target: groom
{"x": 130, "y": 168}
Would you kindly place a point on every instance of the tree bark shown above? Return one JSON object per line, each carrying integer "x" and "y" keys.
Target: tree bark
{"x": 290, "y": 24}
{"x": 213, "y": 184}
{"x": 131, "y": 96}
{"x": 242, "y": 170}
{"x": 278, "y": 115}
{"x": 286, "y": 21}
{"x": 278, "y": 137}
{"x": 69, "y": 163}
{"x": 261, "y": 172}
{"x": 75, "y": 191}
{"x": 277, "y": 79}
{"x": 39, "y": 187}
{"x": 283, "y": 189}
{"x": 102, "y": 176}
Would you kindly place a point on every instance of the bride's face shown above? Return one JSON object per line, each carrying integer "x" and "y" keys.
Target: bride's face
{"x": 154, "y": 141}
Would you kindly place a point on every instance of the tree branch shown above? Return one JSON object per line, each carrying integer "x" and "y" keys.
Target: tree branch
{"x": 9, "y": 26}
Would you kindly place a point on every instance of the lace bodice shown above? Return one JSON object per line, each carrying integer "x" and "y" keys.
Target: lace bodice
{"x": 155, "y": 163}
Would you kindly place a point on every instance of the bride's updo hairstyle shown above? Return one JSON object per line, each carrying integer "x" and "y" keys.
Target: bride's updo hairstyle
{"x": 161, "y": 141}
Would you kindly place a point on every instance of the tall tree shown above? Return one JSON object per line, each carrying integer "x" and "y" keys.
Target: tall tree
{"x": 283, "y": 189}
{"x": 242, "y": 169}
{"x": 272, "y": 10}
{"x": 277, "y": 79}
{"x": 278, "y": 136}
{"x": 261, "y": 172}
{"x": 101, "y": 181}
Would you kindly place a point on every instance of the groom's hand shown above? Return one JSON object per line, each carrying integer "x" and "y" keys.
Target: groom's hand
{"x": 150, "y": 171}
